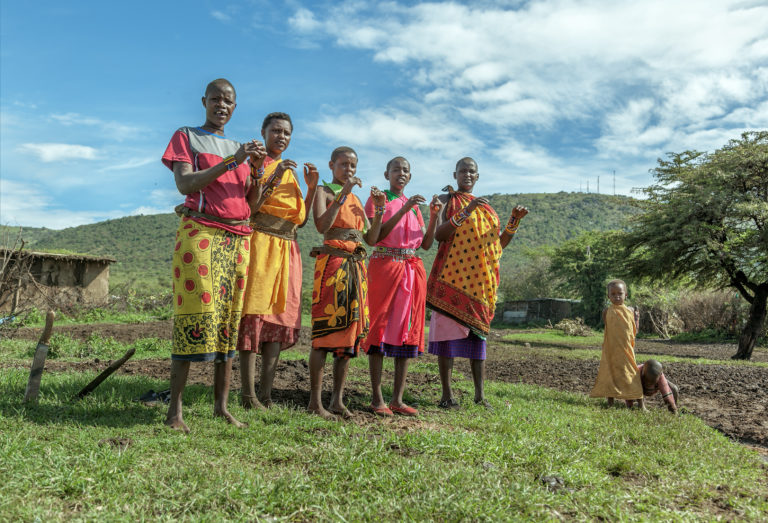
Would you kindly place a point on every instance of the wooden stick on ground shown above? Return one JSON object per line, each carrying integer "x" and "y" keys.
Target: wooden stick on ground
{"x": 105, "y": 374}
{"x": 38, "y": 362}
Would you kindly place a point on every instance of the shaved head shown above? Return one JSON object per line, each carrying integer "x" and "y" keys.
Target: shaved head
{"x": 466, "y": 159}
{"x": 219, "y": 83}
{"x": 653, "y": 368}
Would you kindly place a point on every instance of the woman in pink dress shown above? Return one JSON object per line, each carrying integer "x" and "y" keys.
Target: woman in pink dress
{"x": 397, "y": 287}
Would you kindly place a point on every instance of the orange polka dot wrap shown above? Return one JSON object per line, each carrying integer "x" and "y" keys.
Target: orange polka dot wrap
{"x": 210, "y": 266}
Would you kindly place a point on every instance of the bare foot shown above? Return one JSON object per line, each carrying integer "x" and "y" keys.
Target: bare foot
{"x": 229, "y": 418}
{"x": 320, "y": 411}
{"x": 176, "y": 423}
{"x": 343, "y": 412}
{"x": 250, "y": 402}
{"x": 266, "y": 402}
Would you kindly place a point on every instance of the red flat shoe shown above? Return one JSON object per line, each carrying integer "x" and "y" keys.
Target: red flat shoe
{"x": 404, "y": 411}
{"x": 381, "y": 411}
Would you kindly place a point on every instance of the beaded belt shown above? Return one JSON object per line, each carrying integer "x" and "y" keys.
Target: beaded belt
{"x": 393, "y": 252}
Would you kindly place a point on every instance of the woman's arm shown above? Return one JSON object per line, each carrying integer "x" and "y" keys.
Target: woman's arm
{"x": 518, "y": 213}
{"x": 311, "y": 177}
{"x": 189, "y": 181}
{"x": 390, "y": 224}
{"x": 435, "y": 206}
{"x": 326, "y": 207}
{"x": 374, "y": 229}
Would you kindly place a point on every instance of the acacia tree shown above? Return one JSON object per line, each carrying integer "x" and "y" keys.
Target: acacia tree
{"x": 705, "y": 221}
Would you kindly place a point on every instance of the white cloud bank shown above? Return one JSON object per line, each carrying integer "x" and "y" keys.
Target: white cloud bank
{"x": 55, "y": 152}
{"x": 599, "y": 81}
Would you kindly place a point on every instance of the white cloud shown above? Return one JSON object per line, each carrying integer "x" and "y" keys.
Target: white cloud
{"x": 23, "y": 204}
{"x": 133, "y": 163}
{"x": 114, "y": 130}
{"x": 304, "y": 20}
{"x": 221, "y": 16}
{"x": 388, "y": 129}
{"x": 637, "y": 77}
{"x": 54, "y": 152}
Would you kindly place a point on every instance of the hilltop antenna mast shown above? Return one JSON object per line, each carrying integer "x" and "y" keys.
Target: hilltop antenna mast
{"x": 587, "y": 186}
{"x": 614, "y": 182}
{"x": 598, "y": 184}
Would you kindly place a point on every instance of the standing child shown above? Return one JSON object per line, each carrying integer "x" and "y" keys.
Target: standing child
{"x": 339, "y": 294}
{"x": 617, "y": 376}
{"x": 272, "y": 309}
{"x": 461, "y": 289}
{"x": 210, "y": 259}
{"x": 398, "y": 292}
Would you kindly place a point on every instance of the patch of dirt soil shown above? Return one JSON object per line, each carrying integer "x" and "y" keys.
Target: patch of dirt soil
{"x": 731, "y": 398}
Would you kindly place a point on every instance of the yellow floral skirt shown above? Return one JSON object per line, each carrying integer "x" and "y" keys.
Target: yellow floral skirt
{"x": 209, "y": 270}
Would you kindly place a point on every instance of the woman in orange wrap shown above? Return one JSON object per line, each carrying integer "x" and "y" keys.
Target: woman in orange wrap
{"x": 339, "y": 293}
{"x": 272, "y": 309}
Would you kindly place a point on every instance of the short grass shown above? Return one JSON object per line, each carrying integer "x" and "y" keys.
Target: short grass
{"x": 64, "y": 348}
{"x": 555, "y": 337}
{"x": 556, "y": 344}
{"x": 57, "y": 461}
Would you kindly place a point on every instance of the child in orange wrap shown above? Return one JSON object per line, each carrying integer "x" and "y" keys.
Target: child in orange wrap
{"x": 618, "y": 376}
{"x": 340, "y": 290}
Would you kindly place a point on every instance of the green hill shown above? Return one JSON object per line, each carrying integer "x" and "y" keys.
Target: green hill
{"x": 143, "y": 244}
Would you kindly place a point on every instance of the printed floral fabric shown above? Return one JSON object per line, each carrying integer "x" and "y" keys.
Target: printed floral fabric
{"x": 209, "y": 271}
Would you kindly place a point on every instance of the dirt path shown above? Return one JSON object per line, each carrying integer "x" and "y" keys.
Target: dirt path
{"x": 731, "y": 398}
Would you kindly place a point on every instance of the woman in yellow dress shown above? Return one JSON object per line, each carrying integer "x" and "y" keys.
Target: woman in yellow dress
{"x": 272, "y": 309}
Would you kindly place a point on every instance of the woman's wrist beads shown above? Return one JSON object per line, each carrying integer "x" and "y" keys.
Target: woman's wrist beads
{"x": 340, "y": 198}
{"x": 257, "y": 174}
{"x": 229, "y": 162}
{"x": 458, "y": 218}
{"x": 512, "y": 226}
{"x": 380, "y": 210}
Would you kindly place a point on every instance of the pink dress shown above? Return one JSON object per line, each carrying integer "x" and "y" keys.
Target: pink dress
{"x": 397, "y": 285}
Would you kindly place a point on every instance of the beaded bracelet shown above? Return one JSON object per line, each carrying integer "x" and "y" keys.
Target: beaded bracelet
{"x": 230, "y": 162}
{"x": 340, "y": 198}
{"x": 380, "y": 210}
{"x": 257, "y": 174}
{"x": 458, "y": 218}
{"x": 512, "y": 226}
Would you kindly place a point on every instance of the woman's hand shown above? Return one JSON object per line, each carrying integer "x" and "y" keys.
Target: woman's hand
{"x": 311, "y": 175}
{"x": 350, "y": 183}
{"x": 435, "y": 206}
{"x": 477, "y": 201}
{"x": 379, "y": 198}
{"x": 255, "y": 149}
{"x": 518, "y": 212}
{"x": 277, "y": 176}
{"x": 414, "y": 200}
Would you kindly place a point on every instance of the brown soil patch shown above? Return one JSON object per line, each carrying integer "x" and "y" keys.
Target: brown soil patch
{"x": 731, "y": 399}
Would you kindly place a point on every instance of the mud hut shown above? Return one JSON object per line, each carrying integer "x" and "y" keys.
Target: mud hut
{"x": 537, "y": 310}
{"x": 44, "y": 279}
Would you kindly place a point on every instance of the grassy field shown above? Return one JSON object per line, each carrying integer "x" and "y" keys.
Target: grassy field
{"x": 109, "y": 457}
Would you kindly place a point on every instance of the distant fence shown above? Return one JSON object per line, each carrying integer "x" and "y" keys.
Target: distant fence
{"x": 536, "y": 310}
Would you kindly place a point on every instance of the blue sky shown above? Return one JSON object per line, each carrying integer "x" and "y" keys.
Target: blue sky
{"x": 547, "y": 95}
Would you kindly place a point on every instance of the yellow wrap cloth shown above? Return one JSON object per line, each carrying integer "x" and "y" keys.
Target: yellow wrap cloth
{"x": 618, "y": 376}
{"x": 268, "y": 281}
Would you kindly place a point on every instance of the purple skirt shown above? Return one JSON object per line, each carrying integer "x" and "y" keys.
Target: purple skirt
{"x": 472, "y": 347}
{"x": 395, "y": 351}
